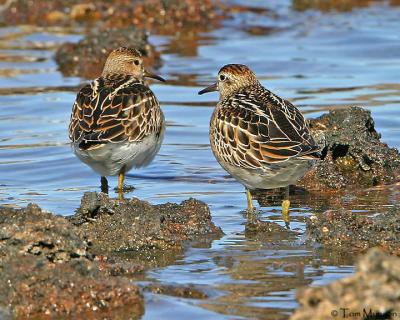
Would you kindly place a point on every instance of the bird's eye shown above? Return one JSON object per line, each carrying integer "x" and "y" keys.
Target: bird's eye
{"x": 222, "y": 77}
{"x": 136, "y": 62}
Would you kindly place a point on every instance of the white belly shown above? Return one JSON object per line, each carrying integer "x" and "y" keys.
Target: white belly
{"x": 270, "y": 177}
{"x": 112, "y": 158}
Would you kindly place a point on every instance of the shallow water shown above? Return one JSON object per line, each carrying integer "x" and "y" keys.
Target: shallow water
{"x": 320, "y": 61}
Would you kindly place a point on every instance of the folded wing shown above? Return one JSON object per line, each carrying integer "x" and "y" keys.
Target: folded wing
{"x": 113, "y": 110}
{"x": 250, "y": 132}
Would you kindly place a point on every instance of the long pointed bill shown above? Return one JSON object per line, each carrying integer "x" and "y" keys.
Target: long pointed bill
{"x": 148, "y": 74}
{"x": 213, "y": 87}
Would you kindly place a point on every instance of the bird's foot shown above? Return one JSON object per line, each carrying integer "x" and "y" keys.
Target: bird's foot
{"x": 125, "y": 188}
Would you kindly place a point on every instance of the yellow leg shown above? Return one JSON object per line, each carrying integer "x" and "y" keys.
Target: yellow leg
{"x": 285, "y": 208}
{"x": 250, "y": 206}
{"x": 121, "y": 178}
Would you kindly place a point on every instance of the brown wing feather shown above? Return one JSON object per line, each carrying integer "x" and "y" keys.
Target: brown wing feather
{"x": 255, "y": 127}
{"x": 114, "y": 109}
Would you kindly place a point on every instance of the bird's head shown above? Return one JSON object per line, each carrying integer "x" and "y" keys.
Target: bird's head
{"x": 231, "y": 78}
{"x": 127, "y": 61}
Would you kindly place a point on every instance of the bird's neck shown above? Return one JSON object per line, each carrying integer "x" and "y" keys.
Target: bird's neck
{"x": 244, "y": 89}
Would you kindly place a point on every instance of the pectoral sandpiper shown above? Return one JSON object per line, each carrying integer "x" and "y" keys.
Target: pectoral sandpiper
{"x": 116, "y": 121}
{"x": 262, "y": 140}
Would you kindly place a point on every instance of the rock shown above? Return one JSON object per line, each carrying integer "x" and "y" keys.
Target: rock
{"x": 79, "y": 267}
{"x": 37, "y": 289}
{"x": 353, "y": 155}
{"x": 31, "y": 231}
{"x": 48, "y": 271}
{"x": 371, "y": 293}
{"x": 85, "y": 12}
{"x": 345, "y": 230}
{"x": 138, "y": 227}
{"x": 189, "y": 291}
{"x": 87, "y": 57}
{"x": 54, "y": 17}
{"x": 267, "y": 231}
{"x": 161, "y": 16}
{"x": 330, "y": 5}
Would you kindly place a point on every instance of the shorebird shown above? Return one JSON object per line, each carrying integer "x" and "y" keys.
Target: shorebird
{"x": 262, "y": 140}
{"x": 116, "y": 121}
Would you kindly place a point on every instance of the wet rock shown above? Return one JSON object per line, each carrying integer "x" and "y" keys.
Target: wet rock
{"x": 84, "y": 12}
{"x": 48, "y": 271}
{"x": 353, "y": 155}
{"x": 371, "y": 293}
{"x": 56, "y": 17}
{"x": 188, "y": 292}
{"x": 87, "y": 57}
{"x": 79, "y": 267}
{"x": 346, "y": 230}
{"x": 34, "y": 232}
{"x": 271, "y": 234}
{"x": 161, "y": 16}
{"x": 136, "y": 226}
{"x": 118, "y": 267}
{"x": 255, "y": 227}
{"x": 37, "y": 289}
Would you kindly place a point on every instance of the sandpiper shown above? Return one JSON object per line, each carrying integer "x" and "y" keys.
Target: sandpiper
{"x": 116, "y": 121}
{"x": 262, "y": 140}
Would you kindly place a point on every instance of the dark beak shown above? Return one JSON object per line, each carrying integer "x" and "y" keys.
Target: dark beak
{"x": 148, "y": 74}
{"x": 213, "y": 87}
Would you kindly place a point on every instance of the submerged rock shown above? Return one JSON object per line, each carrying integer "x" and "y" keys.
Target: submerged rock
{"x": 136, "y": 226}
{"x": 47, "y": 271}
{"x": 353, "y": 155}
{"x": 371, "y": 293}
{"x": 189, "y": 291}
{"x": 346, "y": 230}
{"x": 87, "y": 57}
{"x": 267, "y": 231}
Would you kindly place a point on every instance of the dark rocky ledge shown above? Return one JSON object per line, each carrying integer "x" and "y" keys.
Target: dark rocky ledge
{"x": 353, "y": 155}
